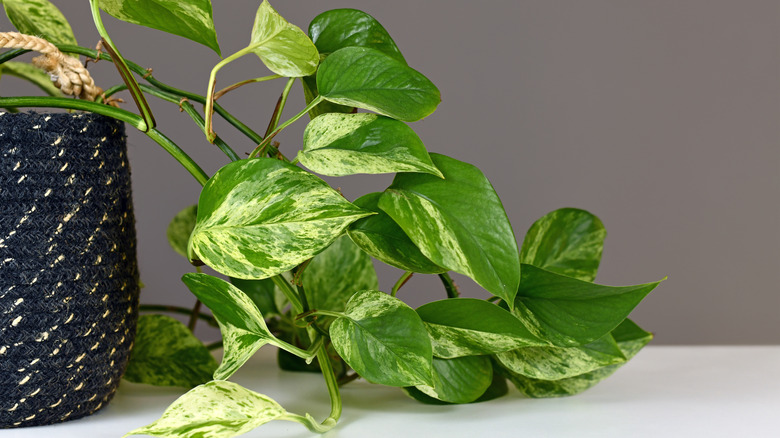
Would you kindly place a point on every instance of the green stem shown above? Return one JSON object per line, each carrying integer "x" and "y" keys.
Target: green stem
{"x": 11, "y": 54}
{"x": 288, "y": 292}
{"x": 307, "y": 355}
{"x": 110, "y": 92}
{"x": 327, "y": 313}
{"x": 226, "y": 90}
{"x": 316, "y": 101}
{"x": 309, "y": 422}
{"x": 212, "y": 83}
{"x": 179, "y": 155}
{"x": 179, "y": 310}
{"x": 449, "y": 285}
{"x": 333, "y": 388}
{"x": 401, "y": 282}
{"x": 280, "y": 107}
{"x": 214, "y": 345}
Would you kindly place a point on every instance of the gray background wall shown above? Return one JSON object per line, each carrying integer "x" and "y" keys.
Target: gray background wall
{"x": 660, "y": 117}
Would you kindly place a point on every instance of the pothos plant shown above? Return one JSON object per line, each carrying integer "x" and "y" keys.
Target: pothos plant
{"x": 296, "y": 256}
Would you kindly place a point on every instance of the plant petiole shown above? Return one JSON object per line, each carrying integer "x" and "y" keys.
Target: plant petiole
{"x": 316, "y": 101}
{"x": 307, "y": 355}
{"x": 180, "y": 310}
{"x": 226, "y": 90}
{"x": 401, "y": 282}
{"x": 449, "y": 285}
{"x": 210, "y": 134}
{"x": 277, "y": 115}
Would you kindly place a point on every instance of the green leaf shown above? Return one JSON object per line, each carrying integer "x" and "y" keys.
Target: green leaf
{"x": 166, "y": 353}
{"x": 241, "y": 323}
{"x": 338, "y": 28}
{"x": 629, "y": 337}
{"x": 347, "y": 144}
{"x": 382, "y": 238}
{"x": 468, "y": 326}
{"x": 32, "y": 74}
{"x": 566, "y": 241}
{"x": 191, "y": 19}
{"x": 262, "y": 292}
{"x": 554, "y": 363}
{"x": 459, "y": 380}
{"x": 180, "y": 228}
{"x": 218, "y": 409}
{"x": 39, "y": 18}
{"x": 367, "y": 78}
{"x": 260, "y": 217}
{"x": 458, "y": 223}
{"x": 333, "y": 275}
{"x": 383, "y": 340}
{"x": 570, "y": 312}
{"x": 284, "y": 48}
{"x": 309, "y": 84}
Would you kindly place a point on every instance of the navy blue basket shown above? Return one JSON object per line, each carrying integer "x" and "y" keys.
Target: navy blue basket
{"x": 68, "y": 269}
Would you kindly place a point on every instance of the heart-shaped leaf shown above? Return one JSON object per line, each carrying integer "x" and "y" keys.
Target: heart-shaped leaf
{"x": 338, "y": 28}
{"x": 191, "y": 19}
{"x": 570, "y": 312}
{"x": 629, "y": 337}
{"x": 242, "y": 325}
{"x": 459, "y": 380}
{"x": 468, "y": 326}
{"x": 566, "y": 241}
{"x": 263, "y": 293}
{"x": 332, "y": 276}
{"x": 262, "y": 217}
{"x": 383, "y": 340}
{"x": 458, "y": 223}
{"x": 166, "y": 353}
{"x": 32, "y": 74}
{"x": 554, "y": 363}
{"x": 218, "y": 409}
{"x": 347, "y": 144}
{"x": 382, "y": 238}
{"x": 283, "y": 47}
{"x": 180, "y": 228}
{"x": 40, "y": 18}
{"x": 367, "y": 78}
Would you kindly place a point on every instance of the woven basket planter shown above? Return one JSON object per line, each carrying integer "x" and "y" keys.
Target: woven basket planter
{"x": 68, "y": 269}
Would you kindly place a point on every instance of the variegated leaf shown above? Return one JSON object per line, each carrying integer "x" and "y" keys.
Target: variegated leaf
{"x": 383, "y": 340}
{"x": 346, "y": 144}
{"x": 458, "y": 223}
{"x": 554, "y": 363}
{"x": 32, "y": 74}
{"x": 261, "y": 217}
{"x": 218, "y": 409}
{"x": 629, "y": 337}
{"x": 333, "y": 275}
{"x": 283, "y": 47}
{"x": 459, "y": 380}
{"x": 468, "y": 326}
{"x": 382, "y": 238}
{"x": 40, "y": 18}
{"x": 268, "y": 299}
{"x": 570, "y": 312}
{"x": 366, "y": 78}
{"x": 166, "y": 353}
{"x": 567, "y": 241}
{"x": 191, "y": 19}
{"x": 180, "y": 228}
{"x": 242, "y": 325}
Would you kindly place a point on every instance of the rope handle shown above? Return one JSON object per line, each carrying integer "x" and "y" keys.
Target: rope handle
{"x": 66, "y": 72}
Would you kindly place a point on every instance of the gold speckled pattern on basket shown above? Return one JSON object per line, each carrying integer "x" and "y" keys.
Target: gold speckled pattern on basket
{"x": 68, "y": 270}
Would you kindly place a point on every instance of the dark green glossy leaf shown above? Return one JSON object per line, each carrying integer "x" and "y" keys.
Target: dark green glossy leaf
{"x": 283, "y": 47}
{"x": 309, "y": 84}
{"x": 39, "y": 18}
{"x": 166, "y": 353}
{"x": 347, "y": 144}
{"x": 468, "y": 326}
{"x": 339, "y": 28}
{"x": 629, "y": 337}
{"x": 369, "y": 79}
{"x": 554, "y": 363}
{"x": 382, "y": 238}
{"x": 498, "y": 387}
{"x": 383, "y": 340}
{"x": 566, "y": 241}
{"x": 570, "y": 312}
{"x": 32, "y": 74}
{"x": 333, "y": 275}
{"x": 191, "y": 19}
{"x": 218, "y": 409}
{"x": 180, "y": 228}
{"x": 262, "y": 217}
{"x": 242, "y": 325}
{"x": 262, "y": 292}
{"x": 459, "y": 380}
{"x": 458, "y": 223}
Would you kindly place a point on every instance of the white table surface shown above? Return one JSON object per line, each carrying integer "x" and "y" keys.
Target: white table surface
{"x": 663, "y": 392}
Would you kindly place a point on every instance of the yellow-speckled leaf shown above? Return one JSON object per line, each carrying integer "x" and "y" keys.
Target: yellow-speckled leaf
{"x": 284, "y": 48}
{"x": 39, "y": 18}
{"x": 383, "y": 340}
{"x": 262, "y": 217}
{"x": 31, "y": 73}
{"x": 217, "y": 409}
{"x": 338, "y": 144}
{"x": 554, "y": 363}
